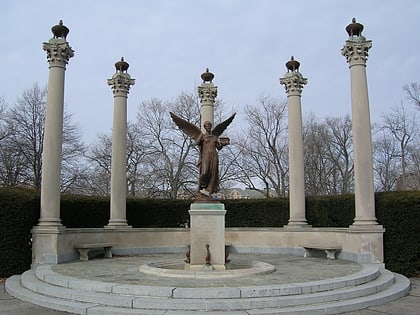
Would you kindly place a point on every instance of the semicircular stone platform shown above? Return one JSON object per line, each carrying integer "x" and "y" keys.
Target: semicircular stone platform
{"x": 297, "y": 286}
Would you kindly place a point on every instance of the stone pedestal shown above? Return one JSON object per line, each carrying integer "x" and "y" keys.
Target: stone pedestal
{"x": 207, "y": 228}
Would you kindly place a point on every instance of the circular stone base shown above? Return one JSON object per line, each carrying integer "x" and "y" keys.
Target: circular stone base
{"x": 179, "y": 269}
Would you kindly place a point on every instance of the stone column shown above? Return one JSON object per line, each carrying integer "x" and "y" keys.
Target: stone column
{"x": 120, "y": 84}
{"x": 207, "y": 92}
{"x": 356, "y": 52}
{"x": 293, "y": 82}
{"x": 58, "y": 54}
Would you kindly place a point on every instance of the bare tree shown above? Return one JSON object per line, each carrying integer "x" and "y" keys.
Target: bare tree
{"x": 317, "y": 167}
{"x": 25, "y": 124}
{"x": 340, "y": 149}
{"x": 261, "y": 160}
{"x": 386, "y": 164}
{"x": 399, "y": 139}
{"x": 413, "y": 93}
{"x": 4, "y": 132}
{"x": 403, "y": 128}
{"x": 328, "y": 156}
{"x": 99, "y": 156}
{"x": 171, "y": 155}
{"x": 12, "y": 166}
{"x": 136, "y": 158}
{"x": 413, "y": 181}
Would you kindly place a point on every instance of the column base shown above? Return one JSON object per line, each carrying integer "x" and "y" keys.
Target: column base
{"x": 50, "y": 222}
{"x": 117, "y": 224}
{"x": 297, "y": 223}
{"x": 362, "y": 222}
{"x": 373, "y": 225}
{"x": 48, "y": 229}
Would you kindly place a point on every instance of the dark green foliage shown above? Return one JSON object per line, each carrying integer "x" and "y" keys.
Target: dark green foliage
{"x": 19, "y": 212}
{"x": 398, "y": 212}
{"x": 84, "y": 211}
{"x": 157, "y": 213}
{"x": 330, "y": 211}
{"x": 273, "y": 212}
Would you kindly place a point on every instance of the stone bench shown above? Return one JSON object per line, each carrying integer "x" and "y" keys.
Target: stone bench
{"x": 330, "y": 250}
{"x": 85, "y": 248}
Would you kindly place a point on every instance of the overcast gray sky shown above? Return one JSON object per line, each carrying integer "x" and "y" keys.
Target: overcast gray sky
{"x": 169, "y": 43}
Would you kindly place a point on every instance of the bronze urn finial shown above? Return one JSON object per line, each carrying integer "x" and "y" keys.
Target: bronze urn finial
{"x": 60, "y": 30}
{"x": 292, "y": 65}
{"x": 121, "y": 65}
{"x": 354, "y": 28}
{"x": 207, "y": 76}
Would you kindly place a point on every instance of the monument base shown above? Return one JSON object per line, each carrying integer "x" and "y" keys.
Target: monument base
{"x": 207, "y": 235}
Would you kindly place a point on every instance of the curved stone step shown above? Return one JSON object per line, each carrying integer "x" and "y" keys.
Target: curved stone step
{"x": 31, "y": 282}
{"x": 14, "y": 287}
{"x": 246, "y": 303}
{"x": 367, "y": 274}
{"x": 395, "y": 291}
{"x": 399, "y": 288}
{"x": 57, "y": 297}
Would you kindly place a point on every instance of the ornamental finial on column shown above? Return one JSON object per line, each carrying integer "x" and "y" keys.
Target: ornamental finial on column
{"x": 121, "y": 80}
{"x": 356, "y": 47}
{"x": 60, "y": 30}
{"x": 293, "y": 80}
{"x": 58, "y": 49}
{"x": 292, "y": 65}
{"x": 207, "y": 76}
{"x": 121, "y": 66}
{"x": 354, "y": 29}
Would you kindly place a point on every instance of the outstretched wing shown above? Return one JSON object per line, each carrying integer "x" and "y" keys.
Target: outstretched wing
{"x": 188, "y": 128}
{"x": 218, "y": 130}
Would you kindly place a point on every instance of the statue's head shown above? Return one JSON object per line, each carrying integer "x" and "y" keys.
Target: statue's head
{"x": 207, "y": 125}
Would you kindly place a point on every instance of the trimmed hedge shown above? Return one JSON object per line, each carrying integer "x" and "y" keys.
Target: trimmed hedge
{"x": 398, "y": 212}
{"x": 257, "y": 212}
{"x": 19, "y": 212}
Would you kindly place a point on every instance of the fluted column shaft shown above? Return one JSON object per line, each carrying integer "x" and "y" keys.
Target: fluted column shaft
{"x": 58, "y": 54}
{"x": 293, "y": 82}
{"x": 356, "y": 51}
{"x": 120, "y": 83}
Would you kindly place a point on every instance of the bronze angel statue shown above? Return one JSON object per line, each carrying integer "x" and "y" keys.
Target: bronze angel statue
{"x": 209, "y": 143}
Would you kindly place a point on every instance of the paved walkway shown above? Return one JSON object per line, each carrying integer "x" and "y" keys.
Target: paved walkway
{"x": 290, "y": 269}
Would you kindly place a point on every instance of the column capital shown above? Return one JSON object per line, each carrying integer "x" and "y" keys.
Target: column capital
{"x": 120, "y": 83}
{"x": 356, "y": 50}
{"x": 58, "y": 52}
{"x": 207, "y": 92}
{"x": 121, "y": 80}
{"x": 293, "y": 83}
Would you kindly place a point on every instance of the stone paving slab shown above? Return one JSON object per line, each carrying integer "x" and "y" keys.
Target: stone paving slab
{"x": 289, "y": 269}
